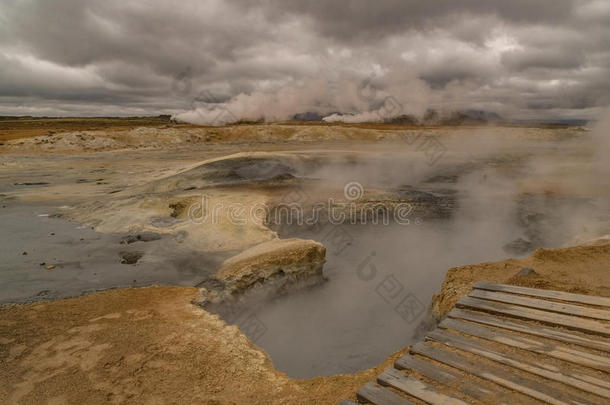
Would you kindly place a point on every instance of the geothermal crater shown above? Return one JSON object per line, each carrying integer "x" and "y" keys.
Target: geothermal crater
{"x": 326, "y": 278}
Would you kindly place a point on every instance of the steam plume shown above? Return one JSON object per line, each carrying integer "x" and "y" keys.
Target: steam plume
{"x": 346, "y": 97}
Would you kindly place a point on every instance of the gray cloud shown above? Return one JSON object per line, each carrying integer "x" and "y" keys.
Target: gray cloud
{"x": 272, "y": 58}
{"x": 358, "y": 19}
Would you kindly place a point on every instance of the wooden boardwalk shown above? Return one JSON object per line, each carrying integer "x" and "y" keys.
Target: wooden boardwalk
{"x": 504, "y": 344}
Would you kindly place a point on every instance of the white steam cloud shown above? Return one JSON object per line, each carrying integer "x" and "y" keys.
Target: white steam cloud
{"x": 345, "y": 97}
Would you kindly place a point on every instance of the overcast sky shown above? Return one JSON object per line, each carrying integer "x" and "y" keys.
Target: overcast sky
{"x": 520, "y": 58}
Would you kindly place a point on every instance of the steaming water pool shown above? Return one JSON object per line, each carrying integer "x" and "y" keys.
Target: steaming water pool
{"x": 375, "y": 299}
{"x": 380, "y": 284}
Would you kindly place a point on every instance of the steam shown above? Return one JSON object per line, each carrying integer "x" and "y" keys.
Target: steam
{"x": 601, "y": 139}
{"x": 535, "y": 185}
{"x": 345, "y": 97}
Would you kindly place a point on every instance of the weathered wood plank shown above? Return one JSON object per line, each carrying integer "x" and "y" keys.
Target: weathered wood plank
{"x": 564, "y": 353}
{"x": 497, "y": 375}
{"x": 416, "y": 388}
{"x": 535, "y": 292}
{"x": 532, "y": 329}
{"x": 483, "y": 392}
{"x": 568, "y": 309}
{"x": 377, "y": 395}
{"x": 471, "y": 346}
{"x": 567, "y": 321}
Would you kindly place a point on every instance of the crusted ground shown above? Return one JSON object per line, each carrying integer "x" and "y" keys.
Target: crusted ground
{"x": 578, "y": 269}
{"x": 153, "y": 345}
{"x": 147, "y": 345}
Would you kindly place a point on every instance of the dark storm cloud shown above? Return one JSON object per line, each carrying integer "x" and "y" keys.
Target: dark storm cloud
{"x": 358, "y": 19}
{"x": 543, "y": 58}
{"x": 269, "y": 57}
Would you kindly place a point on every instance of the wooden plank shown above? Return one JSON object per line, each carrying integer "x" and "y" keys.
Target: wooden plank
{"x": 497, "y": 375}
{"x": 471, "y": 346}
{"x": 568, "y": 309}
{"x": 532, "y": 329}
{"x": 536, "y": 292}
{"x": 416, "y": 388}
{"x": 564, "y": 353}
{"x": 567, "y": 321}
{"x": 377, "y": 395}
{"x": 485, "y": 393}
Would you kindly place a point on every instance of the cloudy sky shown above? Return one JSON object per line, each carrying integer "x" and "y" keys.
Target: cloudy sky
{"x": 524, "y": 59}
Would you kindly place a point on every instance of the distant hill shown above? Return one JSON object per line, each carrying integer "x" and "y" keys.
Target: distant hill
{"x": 432, "y": 117}
{"x": 308, "y": 116}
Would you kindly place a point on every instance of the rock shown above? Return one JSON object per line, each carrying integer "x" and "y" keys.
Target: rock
{"x": 40, "y": 183}
{"x": 526, "y": 271}
{"x": 287, "y": 260}
{"x": 25, "y": 253}
{"x": 43, "y": 293}
{"x": 130, "y": 257}
{"x": 519, "y": 246}
{"x": 140, "y": 237}
{"x": 180, "y": 236}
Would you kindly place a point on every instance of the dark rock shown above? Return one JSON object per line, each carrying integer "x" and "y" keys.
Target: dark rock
{"x": 526, "y": 271}
{"x": 519, "y": 246}
{"x": 452, "y": 178}
{"x": 308, "y": 116}
{"x": 43, "y": 293}
{"x": 181, "y": 236}
{"x": 283, "y": 176}
{"x": 140, "y": 237}
{"x": 430, "y": 204}
{"x": 130, "y": 257}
